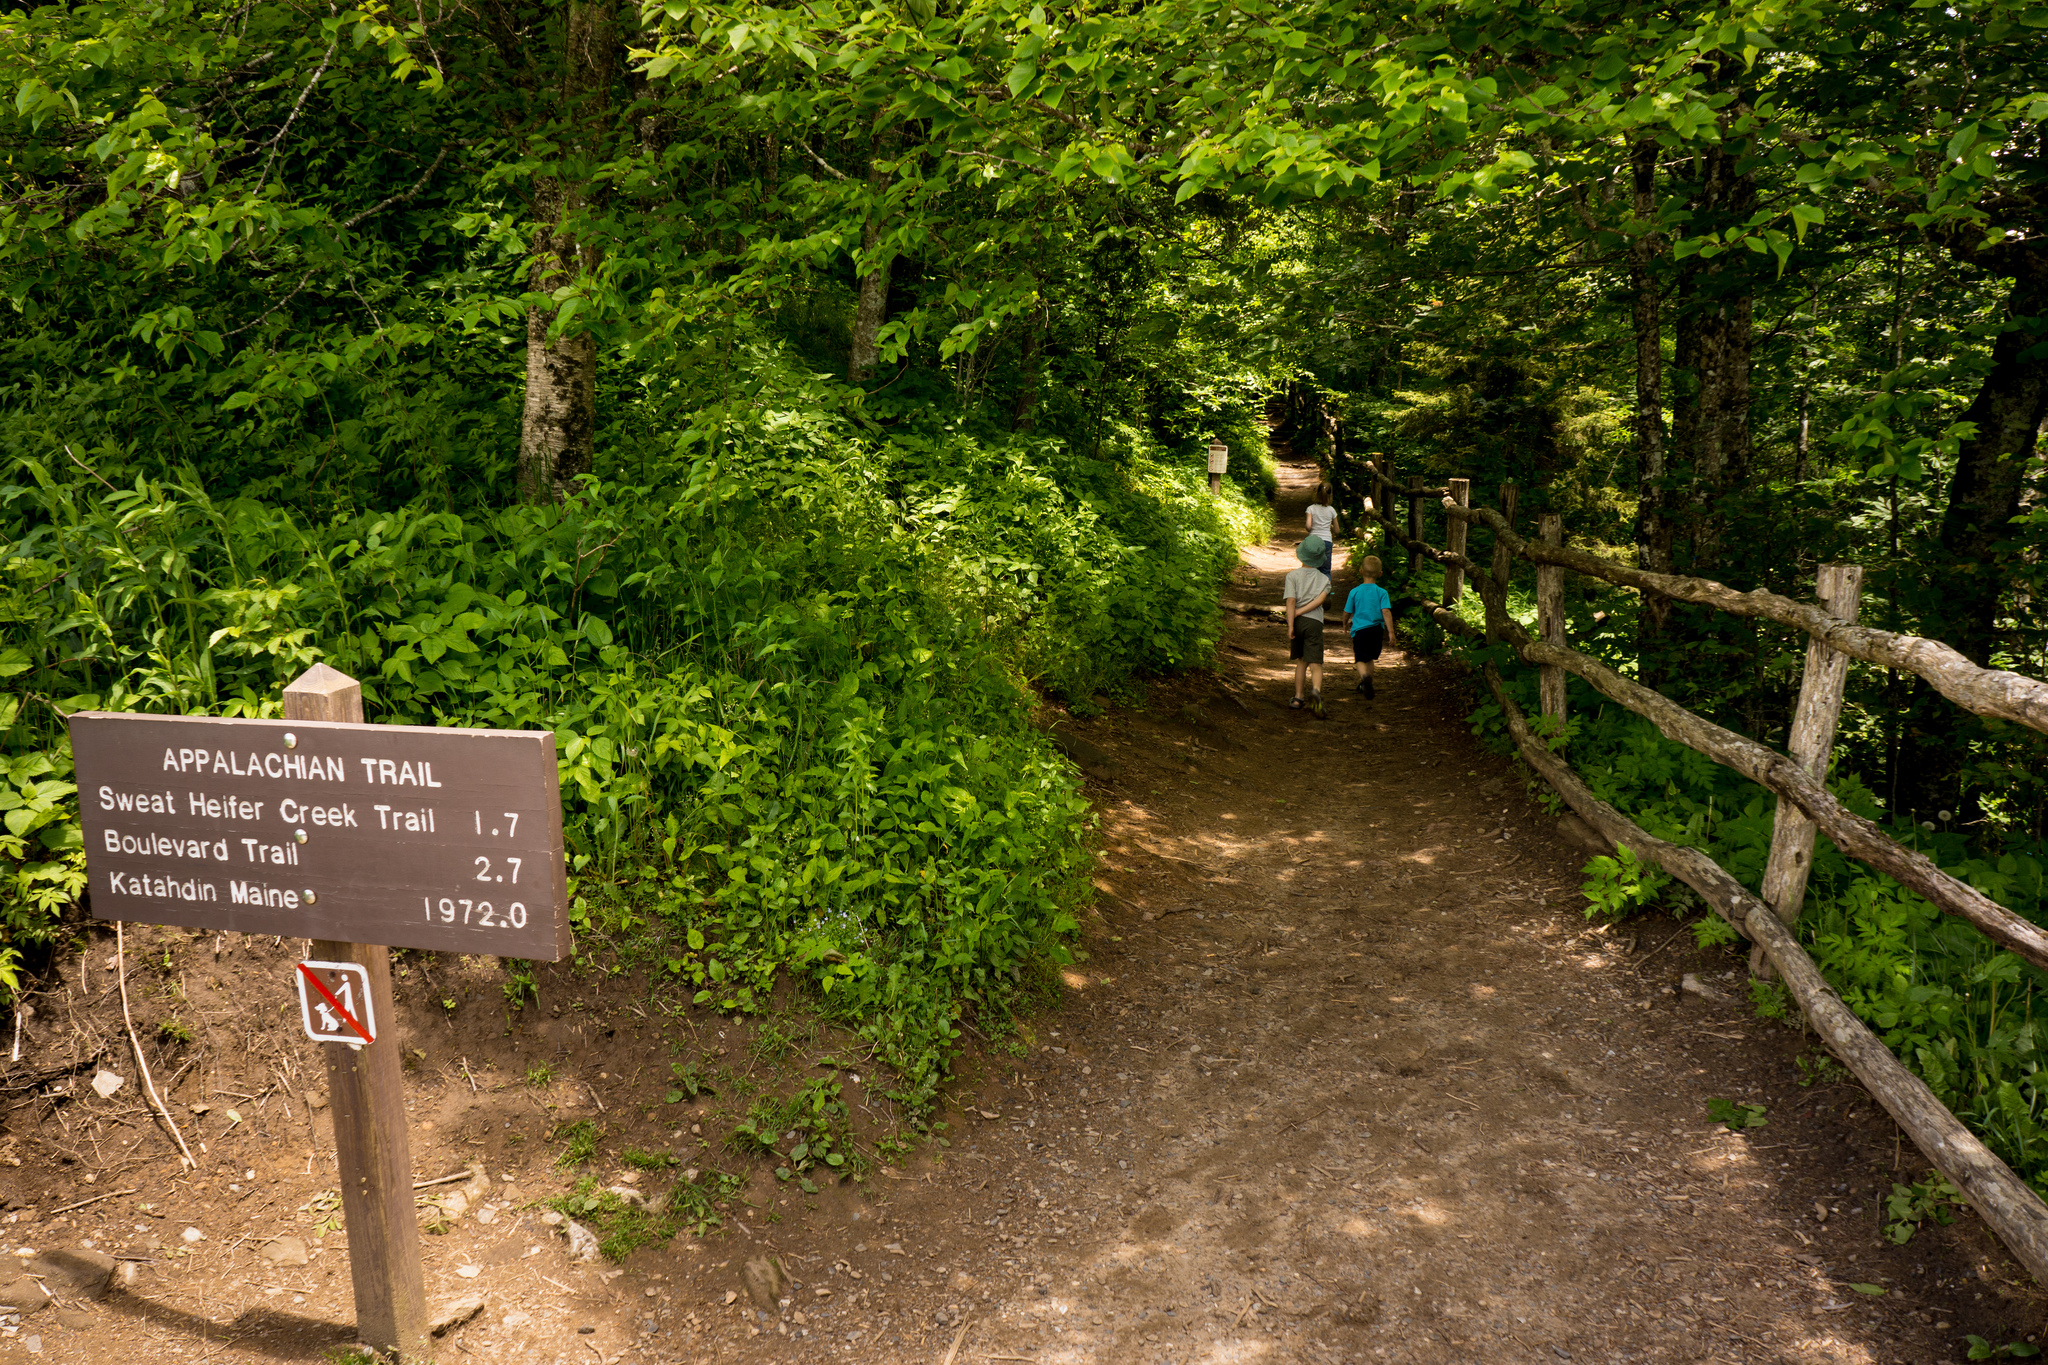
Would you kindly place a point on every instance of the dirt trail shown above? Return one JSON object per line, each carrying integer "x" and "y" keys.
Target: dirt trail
{"x": 1344, "y": 1076}
{"x": 1365, "y": 1087}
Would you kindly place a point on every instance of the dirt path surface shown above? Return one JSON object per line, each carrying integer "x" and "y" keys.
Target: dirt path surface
{"x": 1345, "y": 1076}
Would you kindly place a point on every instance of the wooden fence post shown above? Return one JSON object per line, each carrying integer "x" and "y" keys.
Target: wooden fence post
{"x": 1454, "y": 535}
{"x": 1550, "y": 617}
{"x": 1839, "y": 588}
{"x": 365, "y": 1088}
{"x": 1414, "y": 526}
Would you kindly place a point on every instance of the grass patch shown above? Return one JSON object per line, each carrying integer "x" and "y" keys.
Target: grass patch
{"x": 579, "y": 1142}
{"x": 622, "y": 1227}
{"x": 648, "y": 1161}
{"x": 803, "y": 1132}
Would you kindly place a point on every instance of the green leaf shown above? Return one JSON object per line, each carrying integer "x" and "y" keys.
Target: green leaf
{"x": 1868, "y": 1288}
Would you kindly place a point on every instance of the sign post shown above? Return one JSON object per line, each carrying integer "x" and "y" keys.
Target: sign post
{"x": 366, "y": 1090}
{"x": 1219, "y": 461}
{"x": 360, "y": 838}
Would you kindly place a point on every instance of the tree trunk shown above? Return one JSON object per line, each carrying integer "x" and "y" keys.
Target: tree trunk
{"x": 1653, "y": 525}
{"x": 559, "y": 420}
{"x": 1984, "y": 495}
{"x": 1028, "y": 371}
{"x": 1710, "y": 433}
{"x": 873, "y": 307}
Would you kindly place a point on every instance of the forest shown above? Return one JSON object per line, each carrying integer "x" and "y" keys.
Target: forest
{"x": 791, "y": 407}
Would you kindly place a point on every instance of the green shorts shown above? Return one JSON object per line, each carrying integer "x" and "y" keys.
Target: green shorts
{"x": 1306, "y": 644}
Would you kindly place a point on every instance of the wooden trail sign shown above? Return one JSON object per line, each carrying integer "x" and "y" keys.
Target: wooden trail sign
{"x": 409, "y": 836}
{"x": 358, "y": 837}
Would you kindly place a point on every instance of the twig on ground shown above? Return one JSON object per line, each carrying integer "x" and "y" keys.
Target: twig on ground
{"x": 958, "y": 1337}
{"x": 111, "y": 1194}
{"x": 163, "y": 1111}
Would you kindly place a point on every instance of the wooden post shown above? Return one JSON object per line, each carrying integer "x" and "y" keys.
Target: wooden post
{"x": 1840, "y": 590}
{"x": 1454, "y": 536}
{"x": 1414, "y": 527}
{"x": 368, "y": 1097}
{"x": 1550, "y": 616}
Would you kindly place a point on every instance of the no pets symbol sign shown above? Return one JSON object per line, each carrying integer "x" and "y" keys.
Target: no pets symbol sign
{"x": 334, "y": 1003}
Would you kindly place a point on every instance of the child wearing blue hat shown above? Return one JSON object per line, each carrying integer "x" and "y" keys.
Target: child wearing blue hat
{"x": 1307, "y": 588}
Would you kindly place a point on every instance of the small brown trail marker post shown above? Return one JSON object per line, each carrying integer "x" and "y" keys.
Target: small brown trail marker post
{"x": 1550, "y": 617}
{"x": 366, "y": 1090}
{"x": 1454, "y": 575}
{"x": 1839, "y": 588}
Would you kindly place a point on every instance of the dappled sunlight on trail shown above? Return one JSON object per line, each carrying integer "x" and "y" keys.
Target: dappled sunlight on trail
{"x": 1380, "y": 1093}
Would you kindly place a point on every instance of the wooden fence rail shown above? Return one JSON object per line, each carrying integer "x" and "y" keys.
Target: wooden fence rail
{"x": 2008, "y": 1205}
{"x": 1984, "y": 691}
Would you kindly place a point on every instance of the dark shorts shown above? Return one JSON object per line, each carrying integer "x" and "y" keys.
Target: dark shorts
{"x": 1366, "y": 644}
{"x": 1306, "y": 644}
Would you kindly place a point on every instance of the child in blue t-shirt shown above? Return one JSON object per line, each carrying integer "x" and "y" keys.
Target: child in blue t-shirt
{"x": 1369, "y": 614}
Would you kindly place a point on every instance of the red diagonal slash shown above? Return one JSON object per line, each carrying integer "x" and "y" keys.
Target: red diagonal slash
{"x": 339, "y": 1007}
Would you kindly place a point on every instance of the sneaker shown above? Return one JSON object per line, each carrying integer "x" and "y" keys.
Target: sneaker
{"x": 1366, "y": 687}
{"x": 1358, "y": 686}
{"x": 1316, "y": 704}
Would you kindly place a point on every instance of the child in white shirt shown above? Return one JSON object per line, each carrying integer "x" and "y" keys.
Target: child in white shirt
{"x": 1322, "y": 524}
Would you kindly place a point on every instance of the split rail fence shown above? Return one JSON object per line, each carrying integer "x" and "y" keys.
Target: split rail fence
{"x": 1799, "y": 779}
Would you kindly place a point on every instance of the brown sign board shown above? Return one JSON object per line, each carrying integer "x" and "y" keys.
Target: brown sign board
{"x": 401, "y": 835}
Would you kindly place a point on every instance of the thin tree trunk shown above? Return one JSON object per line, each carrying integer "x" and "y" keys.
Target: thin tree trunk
{"x": 1653, "y": 526}
{"x": 1984, "y": 495}
{"x": 558, "y": 423}
{"x": 559, "y": 420}
{"x": 871, "y": 311}
{"x": 1983, "y": 498}
{"x": 1803, "y": 448}
{"x": 1027, "y": 382}
{"x": 1710, "y": 434}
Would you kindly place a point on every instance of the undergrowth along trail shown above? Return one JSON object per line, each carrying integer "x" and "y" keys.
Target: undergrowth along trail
{"x": 790, "y": 687}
